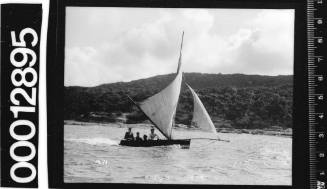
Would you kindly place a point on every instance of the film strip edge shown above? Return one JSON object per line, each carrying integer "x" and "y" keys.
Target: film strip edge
{"x": 20, "y": 50}
{"x": 316, "y": 91}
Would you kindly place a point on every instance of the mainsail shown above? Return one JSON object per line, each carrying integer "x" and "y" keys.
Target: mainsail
{"x": 201, "y": 118}
{"x": 161, "y": 107}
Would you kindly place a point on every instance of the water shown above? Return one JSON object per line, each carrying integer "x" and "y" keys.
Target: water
{"x": 92, "y": 154}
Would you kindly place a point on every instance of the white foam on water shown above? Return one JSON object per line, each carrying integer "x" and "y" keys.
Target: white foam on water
{"x": 95, "y": 141}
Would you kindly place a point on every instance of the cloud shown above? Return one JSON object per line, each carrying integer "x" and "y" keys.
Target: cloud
{"x": 106, "y": 45}
{"x": 266, "y": 45}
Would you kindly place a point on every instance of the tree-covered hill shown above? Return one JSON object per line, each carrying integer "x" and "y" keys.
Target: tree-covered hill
{"x": 232, "y": 100}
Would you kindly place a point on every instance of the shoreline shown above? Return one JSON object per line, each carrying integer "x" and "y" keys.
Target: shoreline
{"x": 271, "y": 132}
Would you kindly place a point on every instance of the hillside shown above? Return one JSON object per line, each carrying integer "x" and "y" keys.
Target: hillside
{"x": 232, "y": 100}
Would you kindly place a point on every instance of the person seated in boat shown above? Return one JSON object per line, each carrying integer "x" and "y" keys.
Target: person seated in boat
{"x": 129, "y": 134}
{"x": 145, "y": 137}
{"x": 138, "y": 138}
{"x": 153, "y": 135}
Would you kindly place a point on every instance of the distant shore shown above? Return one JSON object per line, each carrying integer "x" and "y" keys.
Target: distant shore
{"x": 272, "y": 132}
{"x": 282, "y": 132}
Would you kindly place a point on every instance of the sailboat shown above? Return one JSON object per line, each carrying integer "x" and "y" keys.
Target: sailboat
{"x": 160, "y": 109}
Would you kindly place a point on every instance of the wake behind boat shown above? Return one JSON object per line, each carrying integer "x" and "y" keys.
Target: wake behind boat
{"x": 160, "y": 109}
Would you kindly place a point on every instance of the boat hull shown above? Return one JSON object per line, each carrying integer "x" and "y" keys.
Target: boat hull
{"x": 149, "y": 143}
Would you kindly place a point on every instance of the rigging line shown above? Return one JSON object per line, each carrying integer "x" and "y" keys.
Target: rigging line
{"x": 136, "y": 104}
{"x": 217, "y": 139}
{"x": 205, "y": 144}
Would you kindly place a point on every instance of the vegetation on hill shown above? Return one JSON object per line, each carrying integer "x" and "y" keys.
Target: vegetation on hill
{"x": 232, "y": 100}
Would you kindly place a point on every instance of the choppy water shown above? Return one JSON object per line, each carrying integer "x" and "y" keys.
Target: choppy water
{"x": 92, "y": 154}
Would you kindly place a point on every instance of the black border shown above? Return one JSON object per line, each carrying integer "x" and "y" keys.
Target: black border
{"x": 16, "y": 17}
{"x": 55, "y": 85}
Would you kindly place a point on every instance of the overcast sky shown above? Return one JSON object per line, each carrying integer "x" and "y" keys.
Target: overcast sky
{"x": 105, "y": 45}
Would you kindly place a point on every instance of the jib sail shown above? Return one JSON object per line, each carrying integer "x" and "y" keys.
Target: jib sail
{"x": 201, "y": 118}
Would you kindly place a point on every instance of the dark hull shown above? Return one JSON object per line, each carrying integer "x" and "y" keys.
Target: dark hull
{"x": 149, "y": 143}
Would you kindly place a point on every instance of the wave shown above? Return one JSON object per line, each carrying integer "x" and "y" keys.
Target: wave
{"x": 95, "y": 141}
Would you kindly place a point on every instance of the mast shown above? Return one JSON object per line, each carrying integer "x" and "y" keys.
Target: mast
{"x": 161, "y": 107}
{"x": 180, "y": 54}
{"x": 178, "y": 69}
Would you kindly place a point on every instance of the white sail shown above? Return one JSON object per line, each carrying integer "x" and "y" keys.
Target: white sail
{"x": 161, "y": 107}
{"x": 201, "y": 118}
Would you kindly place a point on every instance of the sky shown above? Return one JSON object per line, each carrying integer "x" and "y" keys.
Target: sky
{"x": 107, "y": 44}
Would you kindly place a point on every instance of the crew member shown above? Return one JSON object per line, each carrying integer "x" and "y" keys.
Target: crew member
{"x": 129, "y": 134}
{"x": 153, "y": 135}
{"x": 138, "y": 138}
